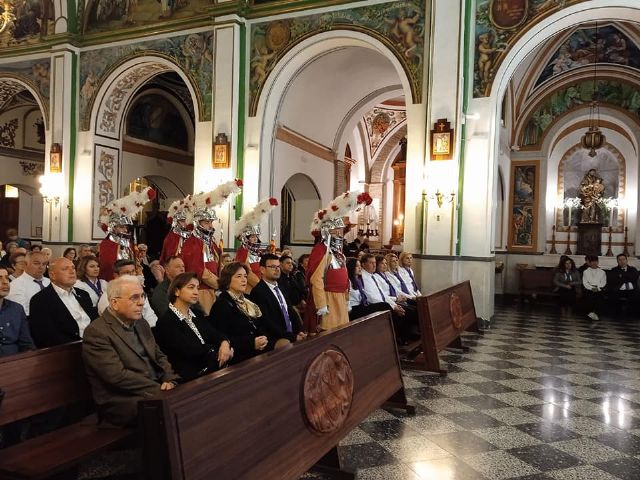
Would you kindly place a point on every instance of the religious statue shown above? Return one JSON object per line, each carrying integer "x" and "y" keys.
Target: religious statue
{"x": 591, "y": 191}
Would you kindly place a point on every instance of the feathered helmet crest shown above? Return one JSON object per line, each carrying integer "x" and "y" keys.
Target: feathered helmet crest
{"x": 342, "y": 206}
{"x": 122, "y": 210}
{"x": 204, "y": 203}
{"x": 249, "y": 223}
{"x": 180, "y": 210}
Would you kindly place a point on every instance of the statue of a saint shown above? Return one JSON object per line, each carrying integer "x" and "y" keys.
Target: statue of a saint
{"x": 591, "y": 190}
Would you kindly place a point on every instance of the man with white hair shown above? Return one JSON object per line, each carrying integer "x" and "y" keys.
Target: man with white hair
{"x": 30, "y": 282}
{"x": 123, "y": 362}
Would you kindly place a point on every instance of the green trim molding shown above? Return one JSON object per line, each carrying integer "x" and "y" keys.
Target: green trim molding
{"x": 73, "y": 140}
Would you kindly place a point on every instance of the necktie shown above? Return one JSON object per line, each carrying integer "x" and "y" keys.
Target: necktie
{"x": 392, "y": 291}
{"x": 283, "y": 308}
{"x": 373, "y": 279}
{"x": 363, "y": 296}
{"x": 403, "y": 285}
{"x": 39, "y": 282}
{"x": 413, "y": 280}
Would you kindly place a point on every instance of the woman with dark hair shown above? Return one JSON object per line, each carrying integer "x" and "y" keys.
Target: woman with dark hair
{"x": 87, "y": 272}
{"x": 566, "y": 281}
{"x": 359, "y": 305}
{"x": 70, "y": 253}
{"x": 300, "y": 276}
{"x": 237, "y": 317}
{"x": 190, "y": 342}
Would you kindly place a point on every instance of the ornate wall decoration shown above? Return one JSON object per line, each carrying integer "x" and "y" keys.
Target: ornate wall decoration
{"x": 8, "y": 133}
{"x": 106, "y": 171}
{"x": 608, "y": 92}
{"x": 109, "y": 15}
{"x": 380, "y": 122}
{"x": 614, "y": 47}
{"x": 193, "y": 54}
{"x": 34, "y": 73}
{"x": 32, "y": 169}
{"x": 399, "y": 25}
{"x": 34, "y": 19}
{"x": 499, "y": 24}
{"x": 328, "y": 391}
{"x": 8, "y": 90}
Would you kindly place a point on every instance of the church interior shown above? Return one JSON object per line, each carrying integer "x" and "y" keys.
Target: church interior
{"x": 495, "y": 139}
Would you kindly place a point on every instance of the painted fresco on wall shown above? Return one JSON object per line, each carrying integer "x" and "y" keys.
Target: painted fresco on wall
{"x": 8, "y": 133}
{"x": 607, "y": 92}
{"x": 498, "y": 24}
{"x": 380, "y": 122}
{"x": 108, "y": 15}
{"x": 33, "y": 131}
{"x": 613, "y": 46}
{"x": 155, "y": 119}
{"x": 32, "y": 20}
{"x": 193, "y": 53}
{"x": 400, "y": 25}
{"x": 34, "y": 72}
{"x": 524, "y": 206}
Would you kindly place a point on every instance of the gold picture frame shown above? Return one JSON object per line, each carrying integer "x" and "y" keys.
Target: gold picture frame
{"x": 221, "y": 152}
{"x": 442, "y": 140}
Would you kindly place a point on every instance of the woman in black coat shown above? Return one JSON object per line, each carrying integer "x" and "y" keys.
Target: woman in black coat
{"x": 190, "y": 342}
{"x": 237, "y": 317}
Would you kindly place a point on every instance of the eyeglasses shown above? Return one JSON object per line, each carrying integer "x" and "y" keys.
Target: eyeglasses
{"x": 136, "y": 298}
{"x": 274, "y": 267}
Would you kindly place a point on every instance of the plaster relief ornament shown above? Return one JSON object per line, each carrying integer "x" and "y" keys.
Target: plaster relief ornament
{"x": 116, "y": 219}
{"x": 327, "y": 272}
{"x": 248, "y": 233}
{"x": 200, "y": 252}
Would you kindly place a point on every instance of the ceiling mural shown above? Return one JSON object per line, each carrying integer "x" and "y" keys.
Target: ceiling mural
{"x": 109, "y": 15}
{"x": 15, "y": 76}
{"x": 611, "y": 44}
{"x": 400, "y": 25}
{"x": 499, "y": 24}
{"x": 31, "y": 20}
{"x": 380, "y": 122}
{"x": 607, "y": 92}
{"x": 192, "y": 53}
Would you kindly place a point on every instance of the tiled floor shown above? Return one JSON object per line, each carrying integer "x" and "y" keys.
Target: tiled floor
{"x": 538, "y": 397}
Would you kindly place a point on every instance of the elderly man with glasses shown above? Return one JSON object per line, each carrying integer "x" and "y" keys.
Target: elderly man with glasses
{"x": 123, "y": 362}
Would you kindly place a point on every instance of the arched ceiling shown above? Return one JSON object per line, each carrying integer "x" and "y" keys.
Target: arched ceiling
{"x": 323, "y": 93}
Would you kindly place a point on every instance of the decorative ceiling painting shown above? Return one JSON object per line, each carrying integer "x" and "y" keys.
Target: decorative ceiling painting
{"x": 109, "y": 15}
{"x": 613, "y": 47}
{"x": 399, "y": 25}
{"x": 608, "y": 92}
{"x": 30, "y": 21}
{"x": 193, "y": 54}
{"x": 380, "y": 122}
{"x": 34, "y": 73}
{"x": 499, "y": 24}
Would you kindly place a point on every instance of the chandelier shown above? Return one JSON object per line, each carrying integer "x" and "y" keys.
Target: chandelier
{"x": 593, "y": 138}
{"x": 6, "y": 14}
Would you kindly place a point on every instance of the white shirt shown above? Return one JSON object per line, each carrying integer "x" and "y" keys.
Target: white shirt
{"x": 94, "y": 296}
{"x": 594, "y": 277}
{"x": 406, "y": 278}
{"x": 77, "y": 312}
{"x": 397, "y": 285}
{"x": 355, "y": 298}
{"x": 23, "y": 288}
{"x": 374, "y": 290}
{"x": 147, "y": 312}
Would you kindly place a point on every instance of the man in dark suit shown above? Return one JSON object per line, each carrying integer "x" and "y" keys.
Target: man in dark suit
{"x": 280, "y": 320}
{"x": 59, "y": 313}
{"x": 622, "y": 282}
{"x": 123, "y": 362}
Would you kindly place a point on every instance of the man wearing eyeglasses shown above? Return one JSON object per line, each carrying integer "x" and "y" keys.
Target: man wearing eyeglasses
{"x": 123, "y": 362}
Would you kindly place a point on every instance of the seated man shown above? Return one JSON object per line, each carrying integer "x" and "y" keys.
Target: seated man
{"x": 293, "y": 290}
{"x": 14, "y": 329}
{"x": 623, "y": 279}
{"x": 60, "y": 313}
{"x": 128, "y": 267}
{"x": 30, "y": 282}
{"x": 173, "y": 267}
{"x": 593, "y": 280}
{"x": 279, "y": 319}
{"x": 122, "y": 360}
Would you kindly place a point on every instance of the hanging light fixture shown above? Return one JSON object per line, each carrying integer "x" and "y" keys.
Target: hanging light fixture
{"x": 593, "y": 139}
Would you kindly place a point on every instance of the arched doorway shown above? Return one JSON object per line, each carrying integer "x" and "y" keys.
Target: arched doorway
{"x": 299, "y": 201}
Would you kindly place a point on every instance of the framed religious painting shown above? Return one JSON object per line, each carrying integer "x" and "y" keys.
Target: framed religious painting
{"x": 221, "y": 152}
{"x": 523, "y": 206}
{"x": 442, "y": 140}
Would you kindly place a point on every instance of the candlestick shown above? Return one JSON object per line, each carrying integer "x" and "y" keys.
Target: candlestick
{"x": 568, "y": 250}
{"x": 553, "y": 241}
{"x": 626, "y": 241}
{"x": 609, "y": 251}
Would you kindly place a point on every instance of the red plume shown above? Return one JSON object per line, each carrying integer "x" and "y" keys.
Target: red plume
{"x": 273, "y": 202}
{"x": 321, "y": 214}
{"x": 239, "y": 182}
{"x": 334, "y": 208}
{"x": 365, "y": 198}
{"x": 151, "y": 194}
{"x": 169, "y": 220}
{"x": 104, "y": 227}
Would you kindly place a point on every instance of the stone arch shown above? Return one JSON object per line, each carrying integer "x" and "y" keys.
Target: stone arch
{"x": 11, "y": 85}
{"x": 301, "y": 199}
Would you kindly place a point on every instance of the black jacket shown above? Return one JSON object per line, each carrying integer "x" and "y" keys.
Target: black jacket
{"x": 228, "y": 319}
{"x": 189, "y": 357}
{"x": 273, "y": 318}
{"x": 616, "y": 277}
{"x": 51, "y": 322}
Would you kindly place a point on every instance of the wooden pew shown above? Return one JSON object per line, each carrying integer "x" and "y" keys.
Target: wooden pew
{"x": 443, "y": 316}
{"x": 43, "y": 381}
{"x": 274, "y": 416}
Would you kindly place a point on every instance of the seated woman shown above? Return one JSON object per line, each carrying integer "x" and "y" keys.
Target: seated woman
{"x": 566, "y": 281}
{"x": 394, "y": 277}
{"x": 192, "y": 345}
{"x": 359, "y": 305}
{"x": 87, "y": 273}
{"x": 237, "y": 317}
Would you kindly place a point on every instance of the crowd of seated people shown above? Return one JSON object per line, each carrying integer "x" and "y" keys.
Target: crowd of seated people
{"x": 134, "y": 348}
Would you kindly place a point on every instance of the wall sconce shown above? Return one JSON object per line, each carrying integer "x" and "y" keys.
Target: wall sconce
{"x": 221, "y": 152}
{"x": 440, "y": 197}
{"x": 52, "y": 185}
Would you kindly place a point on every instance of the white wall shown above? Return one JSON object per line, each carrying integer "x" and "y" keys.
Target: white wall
{"x": 134, "y": 166}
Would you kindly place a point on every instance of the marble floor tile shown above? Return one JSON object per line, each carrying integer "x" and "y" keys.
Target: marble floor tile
{"x": 456, "y": 390}
{"x": 547, "y": 432}
{"x": 387, "y": 472}
{"x": 414, "y": 449}
{"x": 446, "y": 405}
{"x": 544, "y": 457}
{"x": 461, "y": 443}
{"x": 586, "y": 426}
{"x": 388, "y": 429}
{"x": 512, "y": 415}
{"x": 364, "y": 455}
{"x": 622, "y": 468}
{"x": 474, "y": 420}
{"x": 520, "y": 384}
{"x": 432, "y": 424}
{"x": 499, "y": 464}
{"x": 588, "y": 450}
{"x": 506, "y": 437}
{"x": 450, "y": 468}
{"x": 583, "y": 472}
{"x": 517, "y": 399}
